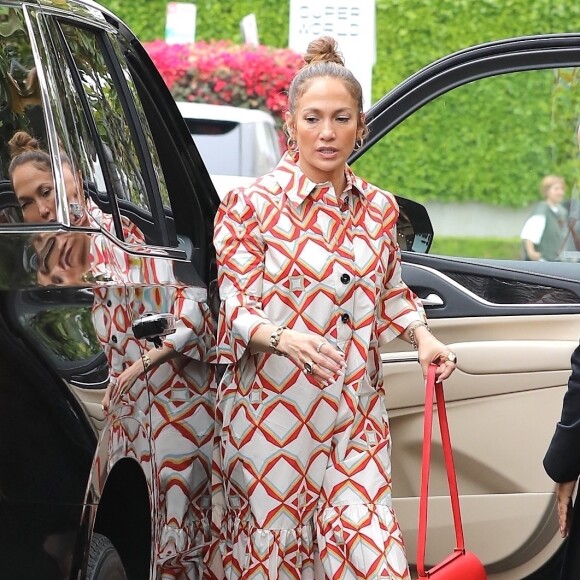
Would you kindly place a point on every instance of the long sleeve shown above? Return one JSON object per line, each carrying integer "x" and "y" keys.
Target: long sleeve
{"x": 398, "y": 305}
{"x": 562, "y": 460}
{"x": 240, "y": 257}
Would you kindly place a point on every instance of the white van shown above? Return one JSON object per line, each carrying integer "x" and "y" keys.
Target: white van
{"x": 233, "y": 140}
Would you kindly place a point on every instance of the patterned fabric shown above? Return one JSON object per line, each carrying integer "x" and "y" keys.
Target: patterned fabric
{"x": 176, "y": 402}
{"x": 302, "y": 473}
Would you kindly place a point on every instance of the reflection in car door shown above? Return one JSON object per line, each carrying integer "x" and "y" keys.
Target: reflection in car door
{"x": 513, "y": 326}
{"x": 158, "y": 236}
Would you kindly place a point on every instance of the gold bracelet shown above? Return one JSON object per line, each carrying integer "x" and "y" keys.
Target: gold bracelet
{"x": 411, "y": 330}
{"x": 275, "y": 340}
{"x": 146, "y": 360}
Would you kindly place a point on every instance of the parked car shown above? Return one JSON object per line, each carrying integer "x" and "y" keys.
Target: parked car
{"x": 125, "y": 262}
{"x": 233, "y": 140}
{"x": 225, "y": 183}
{"x": 117, "y": 258}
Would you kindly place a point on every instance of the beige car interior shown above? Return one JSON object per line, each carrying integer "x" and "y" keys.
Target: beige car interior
{"x": 503, "y": 402}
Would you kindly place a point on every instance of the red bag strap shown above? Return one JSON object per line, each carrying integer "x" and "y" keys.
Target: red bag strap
{"x": 431, "y": 387}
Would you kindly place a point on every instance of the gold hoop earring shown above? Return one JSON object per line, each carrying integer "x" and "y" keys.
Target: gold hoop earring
{"x": 292, "y": 145}
{"x": 358, "y": 144}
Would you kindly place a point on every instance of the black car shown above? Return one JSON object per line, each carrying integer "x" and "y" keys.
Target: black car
{"x": 106, "y": 228}
{"x": 106, "y": 254}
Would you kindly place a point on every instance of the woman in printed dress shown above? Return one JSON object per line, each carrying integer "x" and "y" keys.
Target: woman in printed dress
{"x": 310, "y": 283}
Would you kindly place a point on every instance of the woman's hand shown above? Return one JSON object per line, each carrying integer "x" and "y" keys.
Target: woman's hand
{"x": 320, "y": 360}
{"x": 431, "y": 350}
{"x": 106, "y": 402}
{"x": 127, "y": 379}
{"x": 564, "y": 492}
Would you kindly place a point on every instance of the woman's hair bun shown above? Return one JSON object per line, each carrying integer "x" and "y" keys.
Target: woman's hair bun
{"x": 323, "y": 49}
{"x": 21, "y": 142}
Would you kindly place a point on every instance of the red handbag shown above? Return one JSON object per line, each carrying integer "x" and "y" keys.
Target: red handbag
{"x": 461, "y": 564}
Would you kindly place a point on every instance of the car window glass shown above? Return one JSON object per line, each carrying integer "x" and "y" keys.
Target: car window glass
{"x": 20, "y": 110}
{"x": 477, "y": 156}
{"x": 144, "y": 125}
{"x": 80, "y": 165}
{"x": 108, "y": 114}
{"x": 120, "y": 158}
{"x": 191, "y": 194}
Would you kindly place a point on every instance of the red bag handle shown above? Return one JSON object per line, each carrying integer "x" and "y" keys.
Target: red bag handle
{"x": 436, "y": 387}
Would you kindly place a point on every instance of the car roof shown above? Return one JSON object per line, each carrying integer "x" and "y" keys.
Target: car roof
{"x": 223, "y": 113}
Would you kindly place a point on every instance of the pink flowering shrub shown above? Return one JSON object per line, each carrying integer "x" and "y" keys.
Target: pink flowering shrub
{"x": 171, "y": 60}
{"x": 224, "y": 73}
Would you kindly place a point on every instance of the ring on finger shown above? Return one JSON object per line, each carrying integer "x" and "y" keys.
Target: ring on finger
{"x": 309, "y": 368}
{"x": 451, "y": 357}
{"x": 319, "y": 347}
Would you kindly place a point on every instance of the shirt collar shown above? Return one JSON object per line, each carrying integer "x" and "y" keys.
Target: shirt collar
{"x": 297, "y": 187}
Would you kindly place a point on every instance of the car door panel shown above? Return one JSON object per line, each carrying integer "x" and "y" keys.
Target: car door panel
{"x": 500, "y": 430}
{"x": 485, "y": 521}
{"x": 503, "y": 402}
{"x": 482, "y": 289}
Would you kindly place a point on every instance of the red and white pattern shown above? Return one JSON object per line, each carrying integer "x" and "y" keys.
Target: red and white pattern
{"x": 302, "y": 473}
{"x": 172, "y": 436}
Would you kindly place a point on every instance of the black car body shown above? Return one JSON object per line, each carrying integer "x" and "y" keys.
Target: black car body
{"x": 76, "y": 295}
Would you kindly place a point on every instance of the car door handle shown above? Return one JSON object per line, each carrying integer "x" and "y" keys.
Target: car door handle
{"x": 154, "y": 327}
{"x": 432, "y": 300}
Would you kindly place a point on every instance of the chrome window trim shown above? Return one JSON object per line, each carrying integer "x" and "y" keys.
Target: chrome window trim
{"x": 30, "y": 14}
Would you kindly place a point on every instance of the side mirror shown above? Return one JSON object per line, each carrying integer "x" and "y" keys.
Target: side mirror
{"x": 414, "y": 228}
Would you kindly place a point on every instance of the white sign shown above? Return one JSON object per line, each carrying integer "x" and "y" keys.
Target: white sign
{"x": 249, "y": 28}
{"x": 350, "y": 22}
{"x": 180, "y": 22}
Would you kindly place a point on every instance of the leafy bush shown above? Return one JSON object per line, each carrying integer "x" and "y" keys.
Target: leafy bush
{"x": 411, "y": 34}
{"x": 223, "y": 73}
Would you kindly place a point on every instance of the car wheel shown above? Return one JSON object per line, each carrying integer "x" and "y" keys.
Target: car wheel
{"x": 104, "y": 561}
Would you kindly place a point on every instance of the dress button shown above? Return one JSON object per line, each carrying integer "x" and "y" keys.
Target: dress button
{"x": 345, "y": 278}
{"x": 345, "y": 317}
{"x": 114, "y": 338}
{"x": 344, "y": 206}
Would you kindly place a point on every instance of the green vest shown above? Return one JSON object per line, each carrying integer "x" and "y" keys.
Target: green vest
{"x": 555, "y": 231}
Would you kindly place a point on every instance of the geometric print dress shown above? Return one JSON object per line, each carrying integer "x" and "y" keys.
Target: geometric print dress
{"x": 302, "y": 473}
{"x": 175, "y": 402}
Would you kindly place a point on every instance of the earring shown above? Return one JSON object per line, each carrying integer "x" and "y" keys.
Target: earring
{"x": 292, "y": 145}
{"x": 358, "y": 143}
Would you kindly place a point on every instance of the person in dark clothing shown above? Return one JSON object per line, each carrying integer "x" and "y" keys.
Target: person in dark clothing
{"x": 562, "y": 464}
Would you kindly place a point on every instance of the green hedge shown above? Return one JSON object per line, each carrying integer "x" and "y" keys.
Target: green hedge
{"x": 410, "y": 35}
{"x": 215, "y": 18}
{"x": 496, "y": 248}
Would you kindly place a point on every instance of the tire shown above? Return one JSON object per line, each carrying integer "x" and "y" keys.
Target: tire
{"x": 104, "y": 561}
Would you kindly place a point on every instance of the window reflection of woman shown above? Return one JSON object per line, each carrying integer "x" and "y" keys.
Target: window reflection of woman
{"x": 33, "y": 182}
{"x": 62, "y": 259}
